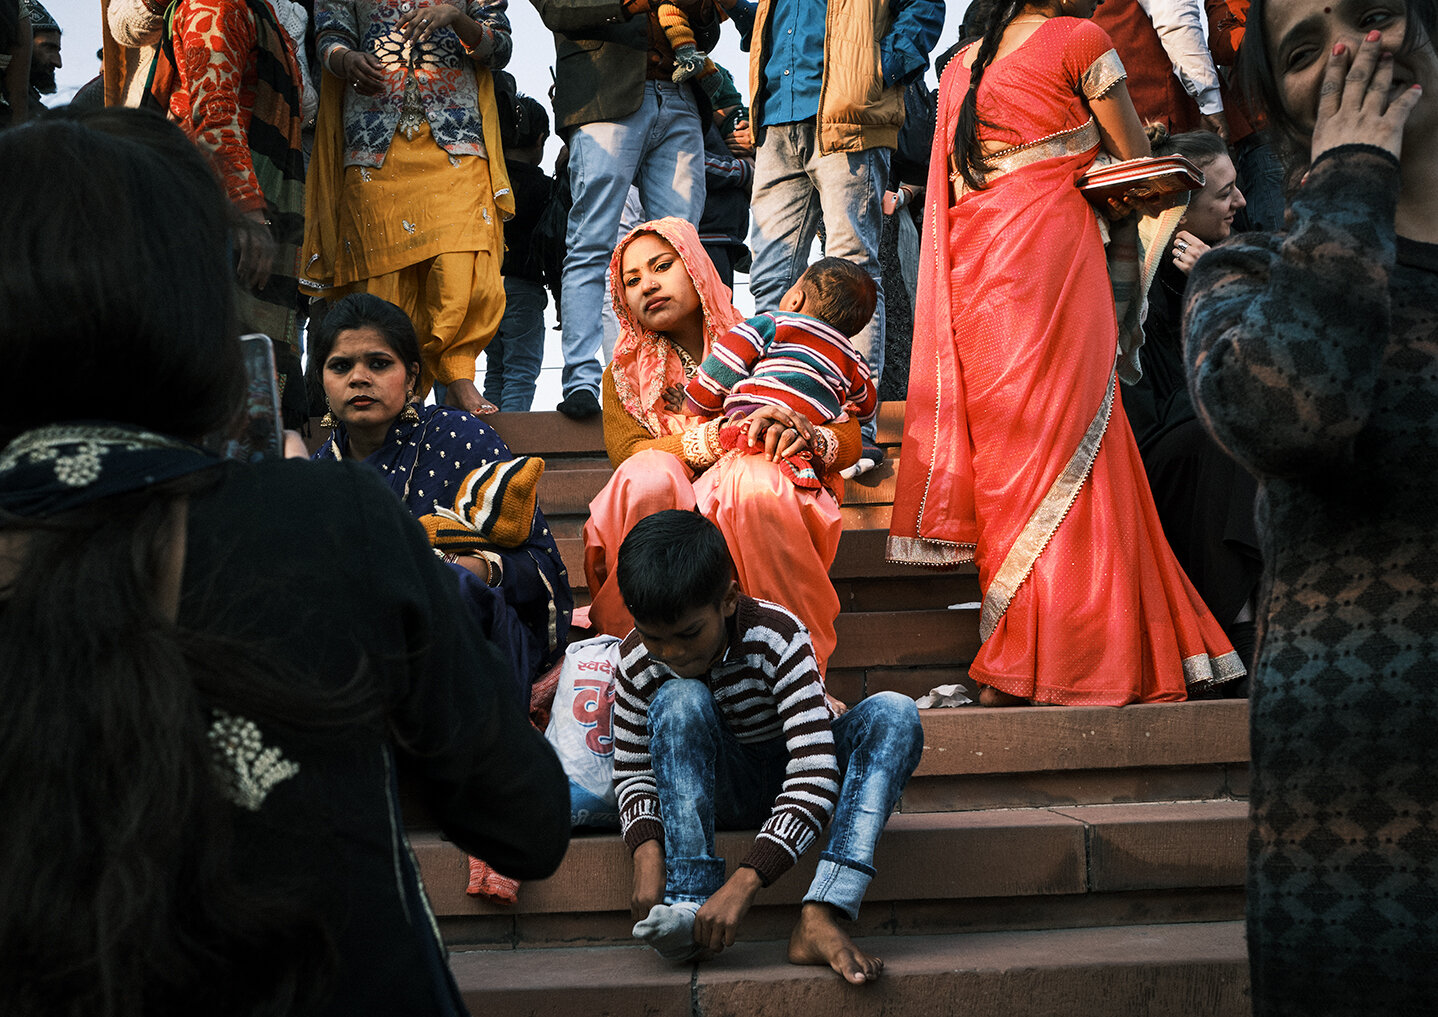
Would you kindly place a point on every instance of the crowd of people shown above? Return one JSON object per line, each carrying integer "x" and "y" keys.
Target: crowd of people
{"x": 1188, "y": 441}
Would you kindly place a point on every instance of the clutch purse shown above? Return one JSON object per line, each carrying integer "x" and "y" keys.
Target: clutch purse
{"x": 1140, "y": 178}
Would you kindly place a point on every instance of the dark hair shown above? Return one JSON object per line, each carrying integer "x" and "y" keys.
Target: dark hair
{"x": 531, "y": 122}
{"x": 120, "y": 894}
{"x": 1259, "y": 84}
{"x": 111, "y": 217}
{"x": 670, "y": 563}
{"x": 361, "y": 310}
{"x": 1199, "y": 147}
{"x": 966, "y": 133}
{"x": 839, "y": 292}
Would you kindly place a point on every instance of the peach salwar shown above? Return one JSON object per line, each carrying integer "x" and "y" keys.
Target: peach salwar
{"x": 1017, "y": 455}
{"x": 782, "y": 538}
{"x": 778, "y": 537}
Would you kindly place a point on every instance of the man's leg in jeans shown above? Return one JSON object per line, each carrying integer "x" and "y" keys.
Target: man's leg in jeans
{"x": 522, "y": 349}
{"x": 786, "y": 213}
{"x": 671, "y": 173}
{"x": 878, "y": 743}
{"x": 851, "y": 192}
{"x": 705, "y": 779}
{"x": 603, "y": 158}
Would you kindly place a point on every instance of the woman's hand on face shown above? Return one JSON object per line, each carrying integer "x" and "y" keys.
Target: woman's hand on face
{"x": 1353, "y": 102}
{"x": 422, "y": 22}
{"x": 363, "y": 71}
{"x": 781, "y": 431}
{"x": 1186, "y": 250}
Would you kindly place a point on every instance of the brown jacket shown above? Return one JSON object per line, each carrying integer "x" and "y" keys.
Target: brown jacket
{"x": 856, "y": 111}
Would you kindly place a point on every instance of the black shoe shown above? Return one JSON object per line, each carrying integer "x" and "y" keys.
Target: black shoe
{"x": 579, "y": 404}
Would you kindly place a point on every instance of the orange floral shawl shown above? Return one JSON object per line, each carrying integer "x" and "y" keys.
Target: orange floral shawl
{"x": 645, "y": 363}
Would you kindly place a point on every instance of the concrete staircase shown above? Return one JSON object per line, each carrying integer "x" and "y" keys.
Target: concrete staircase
{"x": 1043, "y": 861}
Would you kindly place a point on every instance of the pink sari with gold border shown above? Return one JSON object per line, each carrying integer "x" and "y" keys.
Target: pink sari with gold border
{"x": 1017, "y": 455}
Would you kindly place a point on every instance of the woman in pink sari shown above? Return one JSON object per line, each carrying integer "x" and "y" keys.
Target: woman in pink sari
{"x": 671, "y": 306}
{"x": 1017, "y": 455}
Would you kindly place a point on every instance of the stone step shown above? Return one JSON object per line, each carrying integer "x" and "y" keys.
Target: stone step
{"x": 976, "y": 758}
{"x": 1128, "y": 971}
{"x": 863, "y": 579}
{"x": 555, "y": 437}
{"x": 1149, "y": 861}
{"x": 1057, "y": 756}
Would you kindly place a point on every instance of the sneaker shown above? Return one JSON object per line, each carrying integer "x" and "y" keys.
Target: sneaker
{"x": 579, "y": 404}
{"x": 870, "y": 456}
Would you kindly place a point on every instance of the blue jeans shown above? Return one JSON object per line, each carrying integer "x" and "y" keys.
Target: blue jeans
{"x": 795, "y": 189}
{"x": 1260, "y": 177}
{"x": 707, "y": 780}
{"x": 659, "y": 148}
{"x": 513, "y": 357}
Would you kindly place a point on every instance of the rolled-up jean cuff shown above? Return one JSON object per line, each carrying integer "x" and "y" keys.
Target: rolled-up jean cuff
{"x": 693, "y": 879}
{"x": 840, "y": 885}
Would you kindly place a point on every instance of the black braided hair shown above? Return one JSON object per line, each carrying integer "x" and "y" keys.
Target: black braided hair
{"x": 966, "y": 134}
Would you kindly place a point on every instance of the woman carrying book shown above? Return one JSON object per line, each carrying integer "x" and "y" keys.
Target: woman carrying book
{"x": 1017, "y": 455}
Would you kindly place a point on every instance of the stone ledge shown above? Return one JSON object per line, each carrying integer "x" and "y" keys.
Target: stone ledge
{"x": 1135, "y": 971}
{"x": 922, "y": 857}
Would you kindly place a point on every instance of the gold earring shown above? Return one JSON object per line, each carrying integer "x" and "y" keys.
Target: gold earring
{"x": 329, "y": 420}
{"x": 409, "y": 415}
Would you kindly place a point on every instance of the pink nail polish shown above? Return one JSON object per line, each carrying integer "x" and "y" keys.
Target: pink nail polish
{"x": 1338, "y": 49}
{"x": 1374, "y": 35}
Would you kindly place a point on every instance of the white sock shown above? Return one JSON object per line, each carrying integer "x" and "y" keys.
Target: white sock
{"x": 670, "y": 930}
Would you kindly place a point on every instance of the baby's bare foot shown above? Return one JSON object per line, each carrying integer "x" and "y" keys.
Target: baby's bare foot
{"x": 818, "y": 939}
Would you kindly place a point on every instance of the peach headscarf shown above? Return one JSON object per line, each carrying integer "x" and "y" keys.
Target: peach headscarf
{"x": 645, "y": 362}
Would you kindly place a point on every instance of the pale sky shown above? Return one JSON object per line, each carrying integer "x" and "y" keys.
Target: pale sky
{"x": 533, "y": 47}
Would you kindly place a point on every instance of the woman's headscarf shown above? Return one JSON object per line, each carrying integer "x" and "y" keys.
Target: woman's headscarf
{"x": 645, "y": 362}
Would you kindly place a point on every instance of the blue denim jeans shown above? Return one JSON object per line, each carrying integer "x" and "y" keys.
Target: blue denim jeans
{"x": 795, "y": 189}
{"x": 515, "y": 354}
{"x": 660, "y": 149}
{"x": 707, "y": 780}
{"x": 1260, "y": 177}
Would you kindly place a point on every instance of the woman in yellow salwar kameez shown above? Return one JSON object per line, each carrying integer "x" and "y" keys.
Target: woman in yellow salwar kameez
{"x": 407, "y": 183}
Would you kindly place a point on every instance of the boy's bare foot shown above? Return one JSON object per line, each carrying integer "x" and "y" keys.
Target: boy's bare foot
{"x": 990, "y": 696}
{"x": 818, "y": 939}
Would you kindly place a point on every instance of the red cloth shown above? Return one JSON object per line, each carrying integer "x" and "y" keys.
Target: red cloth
{"x": 1227, "y": 21}
{"x": 1157, "y": 93}
{"x": 215, "y": 90}
{"x": 1014, "y": 349}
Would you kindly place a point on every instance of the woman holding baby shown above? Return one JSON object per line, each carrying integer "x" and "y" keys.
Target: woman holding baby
{"x": 671, "y": 307}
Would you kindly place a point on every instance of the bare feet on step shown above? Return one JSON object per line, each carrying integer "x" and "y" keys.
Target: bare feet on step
{"x": 990, "y": 696}
{"x": 818, "y": 939}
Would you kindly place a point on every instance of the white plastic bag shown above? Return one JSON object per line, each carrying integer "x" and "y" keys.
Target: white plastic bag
{"x": 580, "y": 729}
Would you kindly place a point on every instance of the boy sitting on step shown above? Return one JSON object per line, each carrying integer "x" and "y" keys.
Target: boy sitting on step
{"x": 720, "y": 722}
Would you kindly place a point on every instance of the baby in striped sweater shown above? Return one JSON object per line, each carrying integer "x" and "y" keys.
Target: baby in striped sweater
{"x": 799, "y": 357}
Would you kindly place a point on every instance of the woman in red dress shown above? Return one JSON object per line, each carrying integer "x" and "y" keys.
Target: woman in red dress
{"x": 1017, "y": 455}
